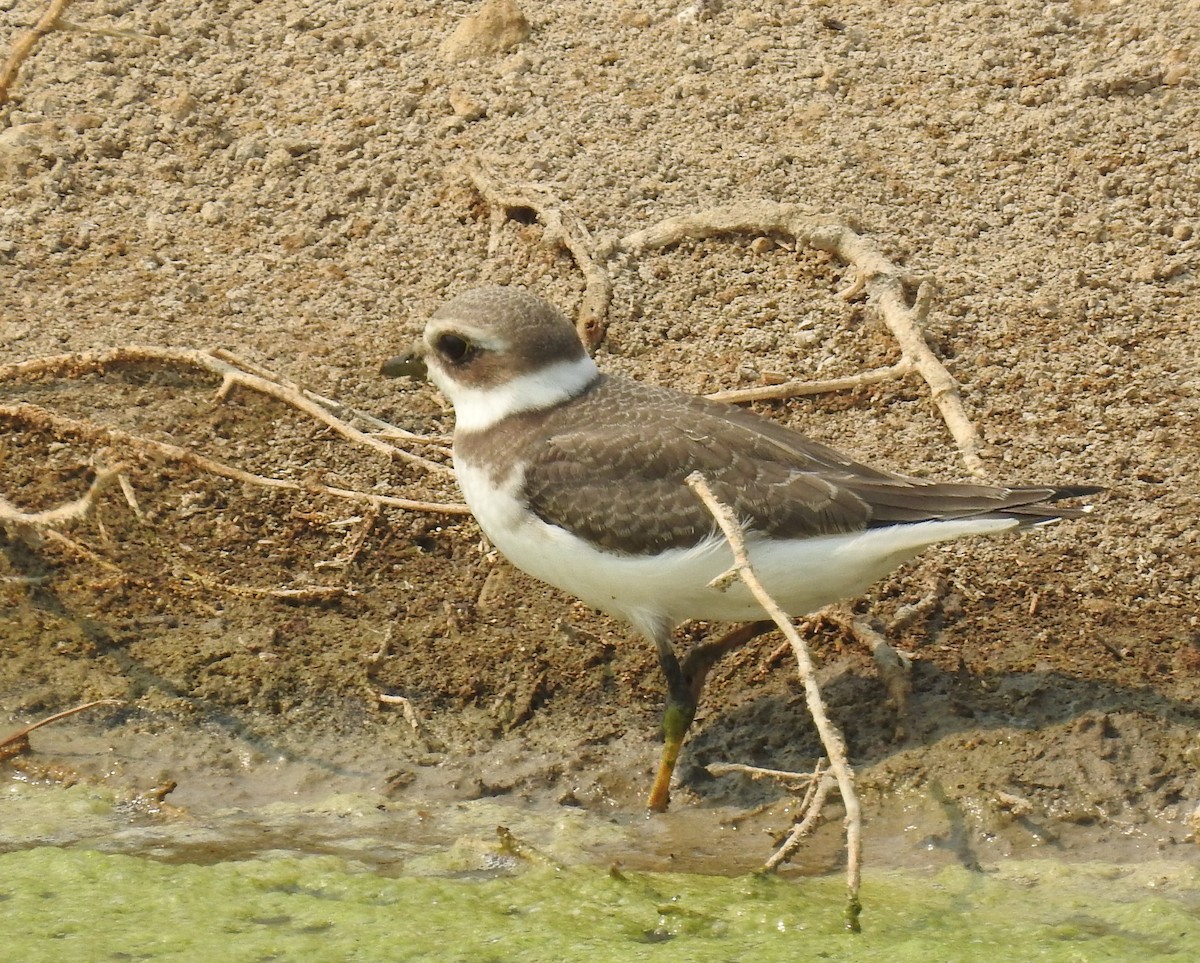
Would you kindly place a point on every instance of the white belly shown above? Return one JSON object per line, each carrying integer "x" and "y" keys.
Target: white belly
{"x": 802, "y": 575}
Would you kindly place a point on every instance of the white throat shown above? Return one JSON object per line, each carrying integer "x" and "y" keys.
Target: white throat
{"x": 477, "y": 409}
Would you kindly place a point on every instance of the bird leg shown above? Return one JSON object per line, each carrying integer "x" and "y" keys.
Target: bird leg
{"x": 685, "y": 683}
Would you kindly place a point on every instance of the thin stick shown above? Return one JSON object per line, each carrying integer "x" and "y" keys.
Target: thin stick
{"x": 337, "y": 408}
{"x": 21, "y": 737}
{"x": 188, "y": 581}
{"x": 76, "y": 364}
{"x": 562, "y": 227}
{"x": 406, "y": 706}
{"x": 82, "y": 551}
{"x": 53, "y": 517}
{"x": 24, "y": 46}
{"x": 41, "y": 418}
{"x": 893, "y": 669}
{"x": 831, "y": 739}
{"x": 310, "y": 593}
{"x": 758, "y": 772}
{"x": 799, "y": 389}
{"x": 811, "y": 807}
{"x": 883, "y": 281}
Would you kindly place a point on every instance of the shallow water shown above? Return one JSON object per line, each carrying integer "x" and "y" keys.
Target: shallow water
{"x": 84, "y": 877}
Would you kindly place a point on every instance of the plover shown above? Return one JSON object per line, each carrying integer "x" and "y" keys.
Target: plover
{"x": 578, "y": 478}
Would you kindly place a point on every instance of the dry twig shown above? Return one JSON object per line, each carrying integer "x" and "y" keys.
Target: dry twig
{"x": 188, "y": 581}
{"x": 562, "y": 227}
{"x": 893, "y": 666}
{"x": 882, "y": 280}
{"x": 333, "y": 406}
{"x": 817, "y": 785}
{"x": 232, "y": 374}
{"x": 406, "y": 706}
{"x": 18, "y": 742}
{"x": 831, "y": 739}
{"x": 923, "y": 608}
{"x": 893, "y": 670}
{"x": 362, "y": 528}
{"x": 26, "y": 42}
{"x": 309, "y": 593}
{"x": 793, "y": 780}
{"x": 809, "y": 811}
{"x": 42, "y": 419}
{"x": 799, "y": 389}
{"x": 82, "y": 551}
{"x": 54, "y": 517}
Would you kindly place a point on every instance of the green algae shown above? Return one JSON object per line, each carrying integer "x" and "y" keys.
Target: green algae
{"x": 349, "y": 878}
{"x": 77, "y": 904}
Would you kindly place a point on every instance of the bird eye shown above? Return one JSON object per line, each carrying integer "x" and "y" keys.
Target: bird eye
{"x": 454, "y": 349}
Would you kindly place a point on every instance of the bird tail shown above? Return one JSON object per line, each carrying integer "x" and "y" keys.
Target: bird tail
{"x": 910, "y": 503}
{"x": 1045, "y": 509}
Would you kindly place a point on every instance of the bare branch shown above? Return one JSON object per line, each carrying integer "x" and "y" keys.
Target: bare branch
{"x": 562, "y": 227}
{"x": 53, "y": 517}
{"x": 785, "y": 776}
{"x": 309, "y": 593}
{"x": 332, "y": 405}
{"x": 18, "y": 742}
{"x": 810, "y": 807}
{"x": 26, "y": 42}
{"x": 882, "y": 280}
{"x": 798, "y": 389}
{"x": 831, "y": 739}
{"x": 41, "y": 418}
{"x": 227, "y": 367}
{"x": 406, "y": 706}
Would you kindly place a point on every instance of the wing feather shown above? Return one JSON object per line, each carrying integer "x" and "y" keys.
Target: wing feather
{"x": 621, "y": 483}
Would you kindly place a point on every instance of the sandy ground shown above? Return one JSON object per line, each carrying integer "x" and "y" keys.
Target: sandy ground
{"x": 282, "y": 180}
